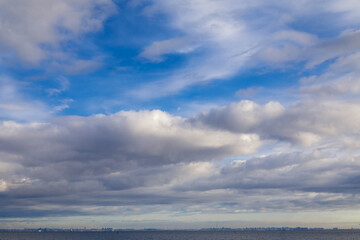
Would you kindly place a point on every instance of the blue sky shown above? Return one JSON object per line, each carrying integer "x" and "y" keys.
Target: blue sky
{"x": 172, "y": 114}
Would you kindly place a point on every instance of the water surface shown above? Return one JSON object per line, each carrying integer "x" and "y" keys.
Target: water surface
{"x": 184, "y": 235}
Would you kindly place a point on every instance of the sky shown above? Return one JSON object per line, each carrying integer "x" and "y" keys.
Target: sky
{"x": 179, "y": 114}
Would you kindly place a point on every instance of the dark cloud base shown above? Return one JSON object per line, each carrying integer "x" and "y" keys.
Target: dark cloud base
{"x": 102, "y": 164}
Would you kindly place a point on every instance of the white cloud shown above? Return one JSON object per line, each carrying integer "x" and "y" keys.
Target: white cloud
{"x": 345, "y": 85}
{"x": 32, "y": 30}
{"x": 213, "y": 26}
{"x": 63, "y": 86}
{"x": 79, "y": 66}
{"x": 64, "y": 104}
{"x": 340, "y": 79}
{"x": 248, "y": 92}
{"x": 236, "y": 35}
{"x": 348, "y": 10}
{"x": 156, "y": 50}
{"x": 14, "y": 106}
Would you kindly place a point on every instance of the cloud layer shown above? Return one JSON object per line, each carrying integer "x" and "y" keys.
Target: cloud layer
{"x": 292, "y": 147}
{"x": 108, "y": 162}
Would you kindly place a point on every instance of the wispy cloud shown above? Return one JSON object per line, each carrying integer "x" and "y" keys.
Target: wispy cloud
{"x": 236, "y": 38}
{"x": 33, "y": 31}
{"x": 15, "y": 106}
{"x": 156, "y": 50}
{"x": 63, "y": 86}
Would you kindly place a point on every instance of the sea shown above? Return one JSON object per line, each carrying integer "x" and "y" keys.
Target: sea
{"x": 184, "y": 235}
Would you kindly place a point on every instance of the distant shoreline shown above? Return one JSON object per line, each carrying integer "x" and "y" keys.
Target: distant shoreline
{"x": 50, "y": 230}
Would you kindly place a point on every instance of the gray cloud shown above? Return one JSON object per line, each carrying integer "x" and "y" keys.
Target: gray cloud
{"x": 124, "y": 137}
{"x": 81, "y": 160}
{"x": 305, "y": 122}
{"x": 347, "y": 85}
{"x": 345, "y": 44}
{"x": 133, "y": 160}
{"x": 339, "y": 80}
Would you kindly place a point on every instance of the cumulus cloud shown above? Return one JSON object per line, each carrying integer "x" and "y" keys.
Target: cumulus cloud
{"x": 242, "y": 116}
{"x": 130, "y": 137}
{"x": 102, "y": 164}
{"x": 304, "y": 123}
{"x": 127, "y": 150}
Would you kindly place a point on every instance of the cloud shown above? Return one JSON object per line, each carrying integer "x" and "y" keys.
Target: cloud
{"x": 238, "y": 158}
{"x": 64, "y": 104}
{"x": 340, "y": 79}
{"x": 156, "y": 50}
{"x": 346, "y": 43}
{"x": 304, "y": 123}
{"x": 78, "y": 66}
{"x": 214, "y": 28}
{"x": 63, "y": 86}
{"x": 33, "y": 31}
{"x": 139, "y": 137}
{"x": 248, "y": 92}
{"x": 108, "y": 164}
{"x": 347, "y": 9}
{"x": 286, "y": 46}
{"x": 162, "y": 159}
{"x": 85, "y": 155}
{"x": 15, "y": 106}
{"x": 344, "y": 85}
{"x": 234, "y": 36}
{"x": 243, "y": 116}
{"x": 318, "y": 171}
